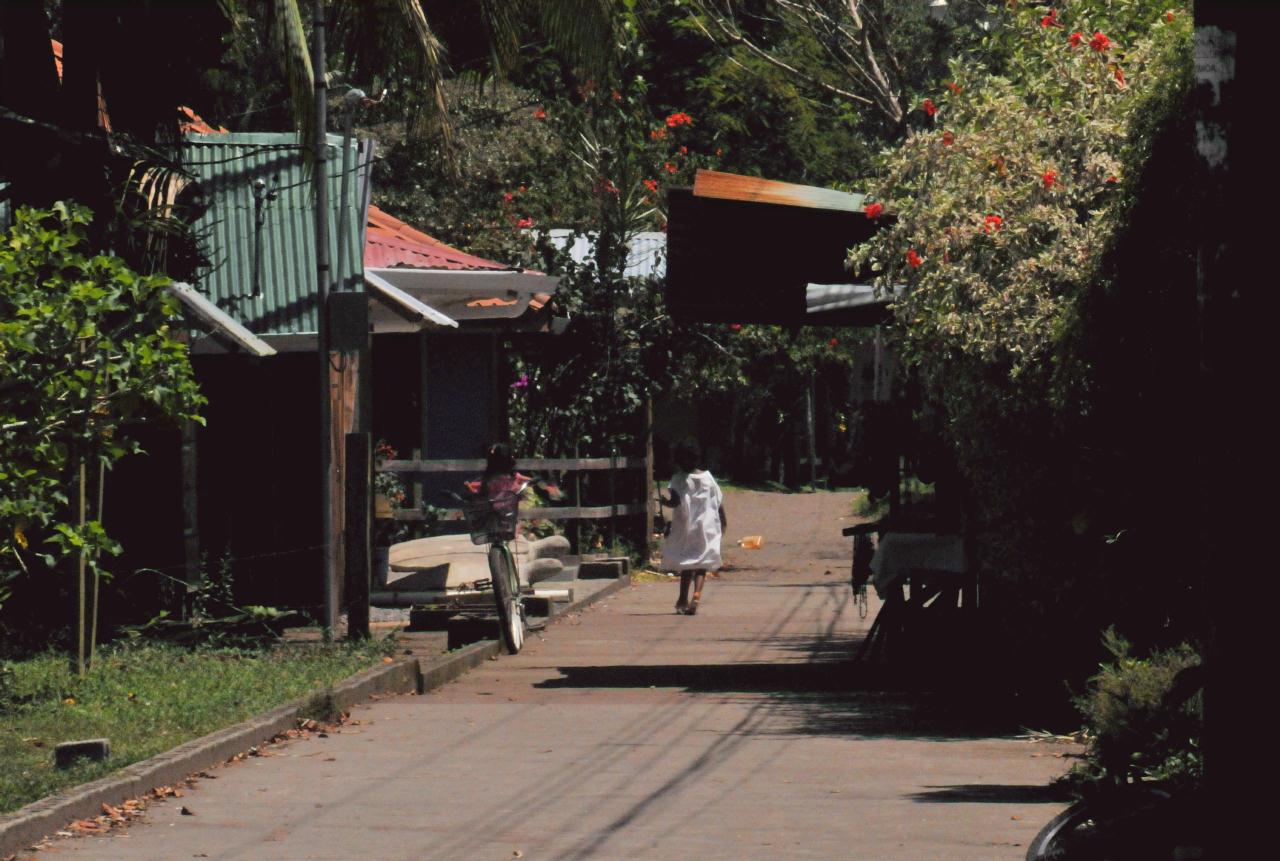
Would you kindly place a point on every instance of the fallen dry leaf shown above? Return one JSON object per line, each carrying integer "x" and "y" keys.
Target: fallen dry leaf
{"x": 187, "y": 811}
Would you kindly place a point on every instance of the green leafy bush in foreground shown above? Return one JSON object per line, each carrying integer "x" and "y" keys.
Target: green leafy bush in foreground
{"x": 1145, "y": 716}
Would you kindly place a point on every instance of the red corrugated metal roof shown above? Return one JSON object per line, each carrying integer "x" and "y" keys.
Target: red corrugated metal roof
{"x": 391, "y": 242}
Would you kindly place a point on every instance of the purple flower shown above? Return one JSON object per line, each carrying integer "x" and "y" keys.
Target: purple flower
{"x": 521, "y": 383}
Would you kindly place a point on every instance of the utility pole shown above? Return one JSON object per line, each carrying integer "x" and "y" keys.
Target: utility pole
{"x": 320, "y": 177}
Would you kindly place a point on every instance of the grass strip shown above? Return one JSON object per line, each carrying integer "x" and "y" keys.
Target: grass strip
{"x": 148, "y": 698}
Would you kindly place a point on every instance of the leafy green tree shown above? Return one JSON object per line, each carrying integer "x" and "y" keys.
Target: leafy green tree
{"x": 1013, "y": 219}
{"x": 87, "y": 349}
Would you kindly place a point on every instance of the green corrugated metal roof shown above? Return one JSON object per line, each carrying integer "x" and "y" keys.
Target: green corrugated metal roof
{"x": 227, "y": 166}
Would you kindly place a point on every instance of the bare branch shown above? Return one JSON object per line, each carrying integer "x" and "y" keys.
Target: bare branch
{"x": 735, "y": 37}
{"x": 849, "y": 33}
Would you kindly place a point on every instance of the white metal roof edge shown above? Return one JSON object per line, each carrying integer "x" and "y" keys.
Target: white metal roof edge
{"x": 405, "y": 301}
{"x": 219, "y": 321}
{"x": 457, "y": 279}
{"x": 832, "y": 297}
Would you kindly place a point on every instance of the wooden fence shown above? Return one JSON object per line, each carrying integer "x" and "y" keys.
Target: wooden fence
{"x": 574, "y": 511}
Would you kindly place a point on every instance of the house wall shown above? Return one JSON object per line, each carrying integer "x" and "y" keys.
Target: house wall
{"x": 259, "y": 475}
{"x": 466, "y": 398}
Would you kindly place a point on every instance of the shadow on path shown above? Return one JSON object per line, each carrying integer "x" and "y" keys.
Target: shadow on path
{"x": 990, "y": 793}
{"x": 835, "y": 698}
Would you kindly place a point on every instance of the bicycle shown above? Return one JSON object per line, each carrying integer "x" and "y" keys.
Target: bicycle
{"x": 492, "y": 521}
{"x": 861, "y": 568}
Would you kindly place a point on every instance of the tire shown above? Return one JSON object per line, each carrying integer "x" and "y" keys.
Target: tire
{"x": 1145, "y": 820}
{"x": 1049, "y": 844}
{"x": 506, "y": 595}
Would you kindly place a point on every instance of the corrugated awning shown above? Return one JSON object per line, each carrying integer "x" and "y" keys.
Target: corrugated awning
{"x": 742, "y": 249}
{"x": 218, "y": 323}
{"x": 463, "y": 295}
{"x": 407, "y": 313}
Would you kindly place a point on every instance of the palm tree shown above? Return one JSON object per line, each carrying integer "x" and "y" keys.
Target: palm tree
{"x": 144, "y": 59}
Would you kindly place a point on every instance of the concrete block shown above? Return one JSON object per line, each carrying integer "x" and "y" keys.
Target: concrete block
{"x": 537, "y": 606}
{"x": 465, "y": 630}
{"x": 429, "y": 619}
{"x": 609, "y": 568}
{"x": 68, "y": 752}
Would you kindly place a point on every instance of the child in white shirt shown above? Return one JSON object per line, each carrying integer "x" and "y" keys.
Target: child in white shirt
{"x": 698, "y": 521}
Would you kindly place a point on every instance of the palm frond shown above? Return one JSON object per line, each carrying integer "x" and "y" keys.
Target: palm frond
{"x": 431, "y": 65}
{"x": 295, "y": 60}
{"x": 502, "y": 19}
{"x": 582, "y": 29}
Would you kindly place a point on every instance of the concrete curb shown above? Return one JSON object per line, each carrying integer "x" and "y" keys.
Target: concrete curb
{"x": 29, "y": 825}
{"x": 616, "y": 586}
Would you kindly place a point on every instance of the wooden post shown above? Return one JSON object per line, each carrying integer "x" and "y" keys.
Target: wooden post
{"x": 577, "y": 503}
{"x": 423, "y": 368}
{"x": 613, "y": 496}
{"x": 809, "y": 422}
{"x": 358, "y": 508}
{"x": 320, "y": 178}
{"x": 190, "y": 521}
{"x": 648, "y": 478}
{"x": 417, "y": 491}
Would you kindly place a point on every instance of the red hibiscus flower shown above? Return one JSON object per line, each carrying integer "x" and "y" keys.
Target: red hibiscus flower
{"x": 508, "y": 197}
{"x": 1120, "y": 77}
{"x": 1050, "y": 20}
{"x": 1168, "y": 16}
{"x": 520, "y": 190}
{"x": 735, "y": 327}
{"x": 679, "y": 119}
{"x": 658, "y": 134}
{"x": 617, "y": 96}
{"x": 913, "y": 259}
{"x": 524, "y": 222}
{"x": 539, "y": 113}
{"x": 929, "y": 107}
{"x": 873, "y": 210}
{"x": 669, "y": 167}
{"x": 684, "y": 150}
{"x": 833, "y": 343}
{"x": 993, "y": 223}
{"x": 953, "y": 87}
{"x": 651, "y": 184}
{"x": 1075, "y": 39}
{"x": 1099, "y": 42}
{"x": 948, "y": 138}
{"x": 1049, "y": 177}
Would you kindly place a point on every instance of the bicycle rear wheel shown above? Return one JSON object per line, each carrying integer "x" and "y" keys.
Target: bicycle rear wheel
{"x": 506, "y": 594}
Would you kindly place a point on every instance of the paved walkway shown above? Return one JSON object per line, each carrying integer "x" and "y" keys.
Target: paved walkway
{"x": 628, "y": 732}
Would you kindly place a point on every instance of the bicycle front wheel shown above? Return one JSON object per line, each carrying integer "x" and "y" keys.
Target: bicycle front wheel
{"x": 506, "y": 594}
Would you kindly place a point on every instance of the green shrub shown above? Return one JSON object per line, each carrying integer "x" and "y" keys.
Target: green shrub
{"x": 1143, "y": 725}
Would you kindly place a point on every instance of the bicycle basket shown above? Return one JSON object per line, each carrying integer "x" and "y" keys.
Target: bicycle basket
{"x": 492, "y": 520}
